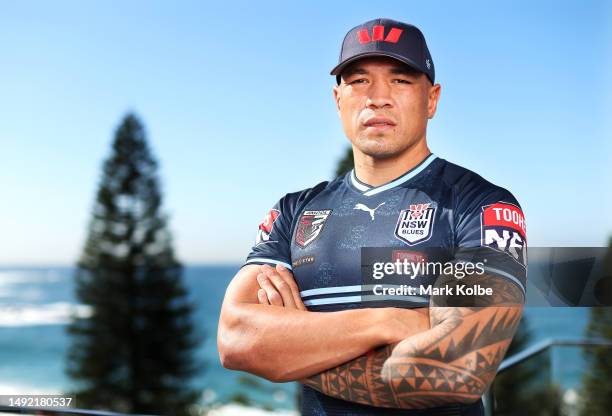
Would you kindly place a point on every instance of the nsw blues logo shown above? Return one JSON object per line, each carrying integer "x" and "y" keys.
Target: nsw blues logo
{"x": 310, "y": 226}
{"x": 415, "y": 224}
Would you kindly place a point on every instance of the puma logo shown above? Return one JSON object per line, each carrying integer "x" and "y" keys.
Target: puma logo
{"x": 368, "y": 210}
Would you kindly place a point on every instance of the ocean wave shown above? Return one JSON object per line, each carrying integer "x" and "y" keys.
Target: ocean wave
{"x": 18, "y": 277}
{"x": 17, "y": 389}
{"x": 58, "y": 313}
{"x": 234, "y": 409}
{"x": 23, "y": 294}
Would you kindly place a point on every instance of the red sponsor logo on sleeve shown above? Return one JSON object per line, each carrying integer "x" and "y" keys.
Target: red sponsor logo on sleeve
{"x": 505, "y": 215}
{"x": 268, "y": 222}
{"x": 265, "y": 228}
{"x": 504, "y": 229}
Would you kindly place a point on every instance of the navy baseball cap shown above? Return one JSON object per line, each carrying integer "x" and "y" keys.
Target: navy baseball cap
{"x": 386, "y": 37}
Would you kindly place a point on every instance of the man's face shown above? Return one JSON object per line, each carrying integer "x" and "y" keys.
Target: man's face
{"x": 384, "y": 106}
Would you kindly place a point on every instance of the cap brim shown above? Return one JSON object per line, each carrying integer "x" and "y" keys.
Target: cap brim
{"x": 342, "y": 65}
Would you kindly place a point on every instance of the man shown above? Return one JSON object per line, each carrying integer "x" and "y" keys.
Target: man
{"x": 299, "y": 309}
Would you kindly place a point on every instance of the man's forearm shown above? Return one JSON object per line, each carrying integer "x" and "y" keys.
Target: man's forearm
{"x": 453, "y": 362}
{"x": 287, "y": 344}
{"x": 417, "y": 373}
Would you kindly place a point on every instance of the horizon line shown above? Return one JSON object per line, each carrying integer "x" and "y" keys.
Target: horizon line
{"x": 73, "y": 265}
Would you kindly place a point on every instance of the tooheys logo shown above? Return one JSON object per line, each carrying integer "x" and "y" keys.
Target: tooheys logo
{"x": 415, "y": 224}
{"x": 310, "y": 226}
{"x": 504, "y": 229}
{"x": 265, "y": 228}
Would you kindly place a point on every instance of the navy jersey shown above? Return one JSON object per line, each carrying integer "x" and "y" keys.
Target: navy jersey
{"x": 318, "y": 233}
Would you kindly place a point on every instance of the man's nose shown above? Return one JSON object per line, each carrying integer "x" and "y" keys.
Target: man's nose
{"x": 379, "y": 95}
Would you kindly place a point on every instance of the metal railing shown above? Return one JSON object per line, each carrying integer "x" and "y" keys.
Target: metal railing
{"x": 41, "y": 411}
{"x": 529, "y": 352}
{"x": 548, "y": 343}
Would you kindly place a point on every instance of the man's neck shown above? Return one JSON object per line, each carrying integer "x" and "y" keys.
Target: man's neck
{"x": 376, "y": 172}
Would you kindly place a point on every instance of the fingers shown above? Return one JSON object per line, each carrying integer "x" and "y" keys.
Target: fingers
{"x": 272, "y": 294}
{"x": 262, "y": 297}
{"x": 279, "y": 287}
{"x": 295, "y": 291}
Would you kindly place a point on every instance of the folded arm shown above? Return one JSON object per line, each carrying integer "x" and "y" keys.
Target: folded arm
{"x": 282, "y": 341}
{"x": 453, "y": 362}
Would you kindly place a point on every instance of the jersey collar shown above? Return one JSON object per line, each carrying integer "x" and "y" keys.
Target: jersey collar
{"x": 368, "y": 190}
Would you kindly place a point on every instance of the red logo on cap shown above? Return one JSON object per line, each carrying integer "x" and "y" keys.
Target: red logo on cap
{"x": 378, "y": 34}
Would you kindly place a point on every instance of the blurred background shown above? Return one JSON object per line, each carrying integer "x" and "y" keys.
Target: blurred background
{"x": 176, "y": 126}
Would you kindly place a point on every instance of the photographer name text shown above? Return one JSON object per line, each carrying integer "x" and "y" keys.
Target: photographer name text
{"x": 427, "y": 290}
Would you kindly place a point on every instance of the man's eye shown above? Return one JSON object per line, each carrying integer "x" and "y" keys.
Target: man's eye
{"x": 402, "y": 81}
{"x": 357, "y": 81}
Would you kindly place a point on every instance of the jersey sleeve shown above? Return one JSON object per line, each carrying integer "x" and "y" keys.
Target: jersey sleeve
{"x": 490, "y": 228}
{"x": 273, "y": 240}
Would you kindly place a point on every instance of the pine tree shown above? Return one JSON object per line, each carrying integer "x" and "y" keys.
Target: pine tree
{"x": 135, "y": 352}
{"x": 597, "y": 381}
{"x": 515, "y": 390}
{"x": 346, "y": 163}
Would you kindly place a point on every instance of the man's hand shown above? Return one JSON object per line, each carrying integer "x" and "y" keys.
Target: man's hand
{"x": 278, "y": 288}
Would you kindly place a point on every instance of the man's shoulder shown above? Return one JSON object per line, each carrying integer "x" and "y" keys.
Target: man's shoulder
{"x": 306, "y": 195}
{"x": 466, "y": 183}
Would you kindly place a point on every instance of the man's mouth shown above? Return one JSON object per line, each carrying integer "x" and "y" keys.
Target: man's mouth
{"x": 379, "y": 123}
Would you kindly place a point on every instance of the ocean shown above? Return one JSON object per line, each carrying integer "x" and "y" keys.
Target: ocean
{"x": 35, "y": 303}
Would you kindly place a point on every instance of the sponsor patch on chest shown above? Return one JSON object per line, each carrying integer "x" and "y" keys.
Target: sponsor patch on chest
{"x": 415, "y": 224}
{"x": 302, "y": 261}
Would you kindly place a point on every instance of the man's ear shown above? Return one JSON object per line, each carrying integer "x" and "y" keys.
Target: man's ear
{"x": 432, "y": 100}
{"x": 337, "y": 96}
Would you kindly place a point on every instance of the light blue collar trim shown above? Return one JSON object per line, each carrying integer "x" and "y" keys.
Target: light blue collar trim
{"x": 369, "y": 191}
{"x": 362, "y": 187}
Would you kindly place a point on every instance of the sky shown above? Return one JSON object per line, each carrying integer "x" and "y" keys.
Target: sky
{"x": 237, "y": 103}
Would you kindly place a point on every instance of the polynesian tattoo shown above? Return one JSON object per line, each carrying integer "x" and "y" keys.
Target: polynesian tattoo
{"x": 453, "y": 362}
